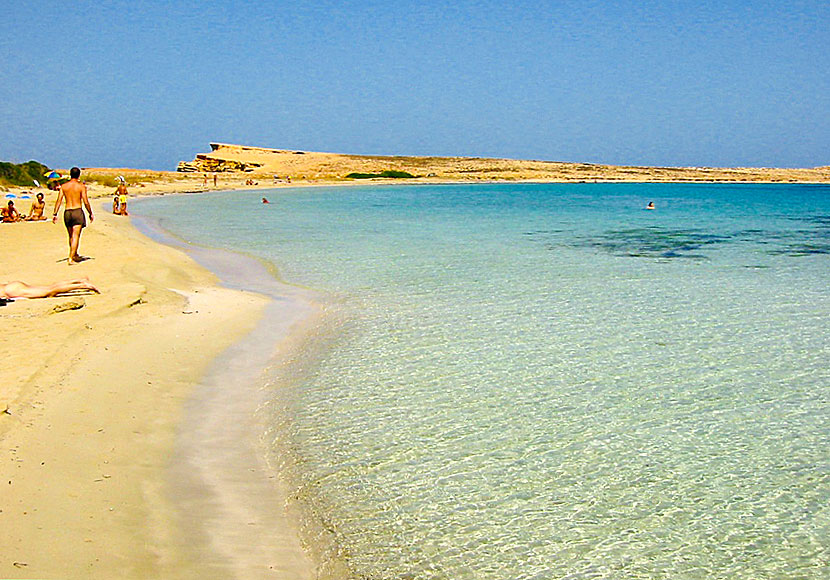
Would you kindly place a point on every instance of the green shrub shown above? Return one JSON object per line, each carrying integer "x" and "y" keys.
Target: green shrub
{"x": 391, "y": 174}
{"x": 22, "y": 173}
{"x": 102, "y": 179}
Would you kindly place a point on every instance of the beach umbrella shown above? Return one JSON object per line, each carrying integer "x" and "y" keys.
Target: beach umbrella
{"x": 25, "y": 196}
{"x": 52, "y": 175}
{"x": 36, "y": 182}
{"x": 10, "y": 195}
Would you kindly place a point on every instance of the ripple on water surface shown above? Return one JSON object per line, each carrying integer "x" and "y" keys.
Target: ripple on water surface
{"x": 543, "y": 381}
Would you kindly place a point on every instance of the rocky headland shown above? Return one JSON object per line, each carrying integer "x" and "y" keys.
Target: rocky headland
{"x": 261, "y": 163}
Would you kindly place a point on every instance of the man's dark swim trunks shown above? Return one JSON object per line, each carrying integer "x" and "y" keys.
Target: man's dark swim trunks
{"x": 74, "y": 217}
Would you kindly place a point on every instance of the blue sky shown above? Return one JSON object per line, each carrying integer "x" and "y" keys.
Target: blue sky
{"x": 147, "y": 84}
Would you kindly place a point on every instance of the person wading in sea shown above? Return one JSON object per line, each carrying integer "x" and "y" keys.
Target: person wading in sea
{"x": 73, "y": 216}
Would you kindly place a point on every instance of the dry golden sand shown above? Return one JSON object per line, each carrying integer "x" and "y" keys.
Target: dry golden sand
{"x": 93, "y": 396}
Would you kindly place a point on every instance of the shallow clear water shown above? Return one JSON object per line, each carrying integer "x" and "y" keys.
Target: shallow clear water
{"x": 548, "y": 381}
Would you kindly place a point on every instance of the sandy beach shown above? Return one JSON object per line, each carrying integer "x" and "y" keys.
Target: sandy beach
{"x": 93, "y": 392}
{"x": 118, "y": 460}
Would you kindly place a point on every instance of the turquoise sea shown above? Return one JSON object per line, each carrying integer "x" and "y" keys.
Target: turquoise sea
{"x": 548, "y": 381}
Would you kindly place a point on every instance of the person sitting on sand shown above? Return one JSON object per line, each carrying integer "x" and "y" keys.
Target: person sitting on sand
{"x": 36, "y": 211}
{"x": 19, "y": 289}
{"x": 10, "y": 213}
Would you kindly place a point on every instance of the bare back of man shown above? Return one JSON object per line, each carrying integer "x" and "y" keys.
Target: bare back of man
{"x": 75, "y": 194}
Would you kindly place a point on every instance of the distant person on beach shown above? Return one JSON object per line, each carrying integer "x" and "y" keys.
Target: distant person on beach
{"x": 76, "y": 197}
{"x": 36, "y": 211}
{"x": 19, "y": 289}
{"x": 215, "y": 180}
{"x": 122, "y": 198}
{"x": 10, "y": 213}
{"x": 115, "y": 209}
{"x": 650, "y": 205}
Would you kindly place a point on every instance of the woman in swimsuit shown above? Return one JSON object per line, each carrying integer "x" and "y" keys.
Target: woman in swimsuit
{"x": 121, "y": 192}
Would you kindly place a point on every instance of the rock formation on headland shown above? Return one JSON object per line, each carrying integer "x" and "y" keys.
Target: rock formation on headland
{"x": 208, "y": 163}
{"x": 315, "y": 166}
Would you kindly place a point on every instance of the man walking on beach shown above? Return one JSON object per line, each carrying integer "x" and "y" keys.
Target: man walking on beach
{"x": 73, "y": 216}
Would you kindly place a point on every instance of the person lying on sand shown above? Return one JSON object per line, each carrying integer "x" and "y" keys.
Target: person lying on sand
{"x": 10, "y": 213}
{"x": 36, "y": 211}
{"x": 19, "y": 289}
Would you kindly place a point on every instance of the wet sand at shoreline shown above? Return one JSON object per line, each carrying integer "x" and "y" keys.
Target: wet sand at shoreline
{"x": 95, "y": 390}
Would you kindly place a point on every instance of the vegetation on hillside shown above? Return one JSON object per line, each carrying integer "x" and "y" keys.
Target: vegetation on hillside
{"x": 388, "y": 173}
{"x": 111, "y": 177}
{"x": 22, "y": 173}
{"x": 107, "y": 180}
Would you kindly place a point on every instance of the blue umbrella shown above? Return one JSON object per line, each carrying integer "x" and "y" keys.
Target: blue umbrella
{"x": 26, "y": 196}
{"x": 10, "y": 195}
{"x": 52, "y": 175}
